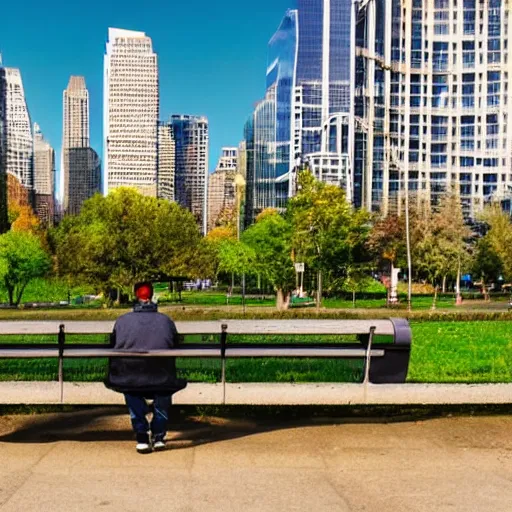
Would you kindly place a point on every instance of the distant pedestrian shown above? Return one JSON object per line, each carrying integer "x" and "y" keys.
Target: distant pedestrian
{"x": 145, "y": 378}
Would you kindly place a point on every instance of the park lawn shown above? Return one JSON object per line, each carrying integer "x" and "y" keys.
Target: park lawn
{"x": 420, "y": 303}
{"x": 48, "y": 290}
{"x": 466, "y": 352}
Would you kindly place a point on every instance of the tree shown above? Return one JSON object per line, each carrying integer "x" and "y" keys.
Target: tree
{"x": 386, "y": 241}
{"x": 271, "y": 240}
{"x": 21, "y": 259}
{"x": 326, "y": 230}
{"x": 440, "y": 248}
{"x": 236, "y": 257}
{"x": 499, "y": 236}
{"x": 487, "y": 265}
{"x": 126, "y": 237}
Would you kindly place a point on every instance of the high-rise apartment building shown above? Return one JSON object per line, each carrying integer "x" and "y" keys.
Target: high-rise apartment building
{"x": 44, "y": 178}
{"x": 166, "y": 161}
{"x": 84, "y": 177}
{"x": 75, "y": 133}
{"x": 191, "y": 136}
{"x": 221, "y": 188}
{"x": 131, "y": 112}
{"x": 432, "y": 102}
{"x": 3, "y": 174}
{"x": 19, "y": 143}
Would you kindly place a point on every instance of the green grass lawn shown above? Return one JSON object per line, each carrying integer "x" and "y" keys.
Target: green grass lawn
{"x": 48, "y": 290}
{"x": 473, "y": 351}
{"x": 212, "y": 298}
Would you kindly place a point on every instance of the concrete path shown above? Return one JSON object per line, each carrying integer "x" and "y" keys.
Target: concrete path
{"x": 85, "y": 461}
{"x": 95, "y": 393}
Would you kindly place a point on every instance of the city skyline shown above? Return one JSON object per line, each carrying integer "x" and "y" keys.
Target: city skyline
{"x": 220, "y": 80}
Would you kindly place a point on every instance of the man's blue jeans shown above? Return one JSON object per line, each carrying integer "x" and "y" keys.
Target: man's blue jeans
{"x": 138, "y": 407}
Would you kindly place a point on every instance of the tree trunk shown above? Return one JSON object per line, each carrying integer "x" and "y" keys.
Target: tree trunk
{"x": 353, "y": 298}
{"x": 319, "y": 290}
{"x": 444, "y": 284}
{"x": 10, "y": 293}
{"x": 282, "y": 300}
{"x": 484, "y": 291}
{"x": 435, "y": 298}
{"x": 20, "y": 294}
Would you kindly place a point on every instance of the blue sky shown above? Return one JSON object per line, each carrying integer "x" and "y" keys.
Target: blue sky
{"x": 212, "y": 56}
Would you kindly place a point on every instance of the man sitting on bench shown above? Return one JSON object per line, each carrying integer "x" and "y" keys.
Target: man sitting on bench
{"x": 142, "y": 378}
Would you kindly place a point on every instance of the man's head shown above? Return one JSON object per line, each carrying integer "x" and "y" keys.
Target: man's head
{"x": 144, "y": 291}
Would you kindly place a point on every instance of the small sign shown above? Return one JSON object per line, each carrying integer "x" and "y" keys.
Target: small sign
{"x": 299, "y": 267}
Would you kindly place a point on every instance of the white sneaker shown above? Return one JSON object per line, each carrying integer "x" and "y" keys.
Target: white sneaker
{"x": 159, "y": 446}
{"x": 143, "y": 448}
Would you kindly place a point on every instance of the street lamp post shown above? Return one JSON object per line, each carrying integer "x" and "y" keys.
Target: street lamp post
{"x": 239, "y": 185}
{"x": 405, "y": 174}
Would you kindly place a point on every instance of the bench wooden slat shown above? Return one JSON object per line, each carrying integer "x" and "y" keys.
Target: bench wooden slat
{"x": 383, "y": 327}
{"x": 203, "y": 352}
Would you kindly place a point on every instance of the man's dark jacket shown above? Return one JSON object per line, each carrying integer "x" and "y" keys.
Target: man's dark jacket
{"x": 144, "y": 330}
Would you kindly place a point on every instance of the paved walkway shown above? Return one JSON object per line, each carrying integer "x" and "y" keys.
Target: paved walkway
{"x": 85, "y": 461}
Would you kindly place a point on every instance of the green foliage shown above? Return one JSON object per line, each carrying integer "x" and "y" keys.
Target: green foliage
{"x": 22, "y": 259}
{"x": 236, "y": 257}
{"x": 498, "y": 241}
{"x": 327, "y": 231}
{"x": 271, "y": 241}
{"x": 487, "y": 264}
{"x": 126, "y": 237}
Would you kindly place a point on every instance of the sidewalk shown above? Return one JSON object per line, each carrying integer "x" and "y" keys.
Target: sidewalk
{"x": 85, "y": 461}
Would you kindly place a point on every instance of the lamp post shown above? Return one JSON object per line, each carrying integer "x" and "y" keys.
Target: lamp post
{"x": 396, "y": 161}
{"x": 240, "y": 187}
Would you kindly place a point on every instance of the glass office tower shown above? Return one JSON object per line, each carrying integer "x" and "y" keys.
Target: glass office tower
{"x": 308, "y": 81}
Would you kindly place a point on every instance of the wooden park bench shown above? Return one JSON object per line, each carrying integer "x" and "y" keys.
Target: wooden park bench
{"x": 385, "y": 360}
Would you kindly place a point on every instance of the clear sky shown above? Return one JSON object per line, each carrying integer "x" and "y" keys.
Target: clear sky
{"x": 212, "y": 56}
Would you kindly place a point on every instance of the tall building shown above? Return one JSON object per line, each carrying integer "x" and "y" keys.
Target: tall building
{"x": 221, "y": 188}
{"x": 84, "y": 177}
{"x": 191, "y": 136}
{"x": 432, "y": 102}
{"x": 19, "y": 143}
{"x": 44, "y": 178}
{"x": 166, "y": 161}
{"x": 249, "y": 172}
{"x": 130, "y": 112}
{"x": 308, "y": 87}
{"x": 75, "y": 133}
{"x": 4, "y": 225}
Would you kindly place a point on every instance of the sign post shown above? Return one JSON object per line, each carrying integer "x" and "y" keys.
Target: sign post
{"x": 299, "y": 268}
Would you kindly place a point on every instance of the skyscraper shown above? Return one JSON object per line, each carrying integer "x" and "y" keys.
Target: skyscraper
{"x": 130, "y": 112}
{"x": 84, "y": 177}
{"x": 191, "y": 136}
{"x": 75, "y": 132}
{"x": 166, "y": 161}
{"x": 19, "y": 144}
{"x": 432, "y": 102}
{"x": 221, "y": 187}
{"x": 308, "y": 81}
{"x": 44, "y": 178}
{"x": 3, "y": 173}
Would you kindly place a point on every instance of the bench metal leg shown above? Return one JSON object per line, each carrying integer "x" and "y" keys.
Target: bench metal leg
{"x": 366, "y": 379}
{"x": 61, "y": 340}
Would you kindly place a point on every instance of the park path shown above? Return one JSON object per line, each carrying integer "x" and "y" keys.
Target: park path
{"x": 85, "y": 460}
